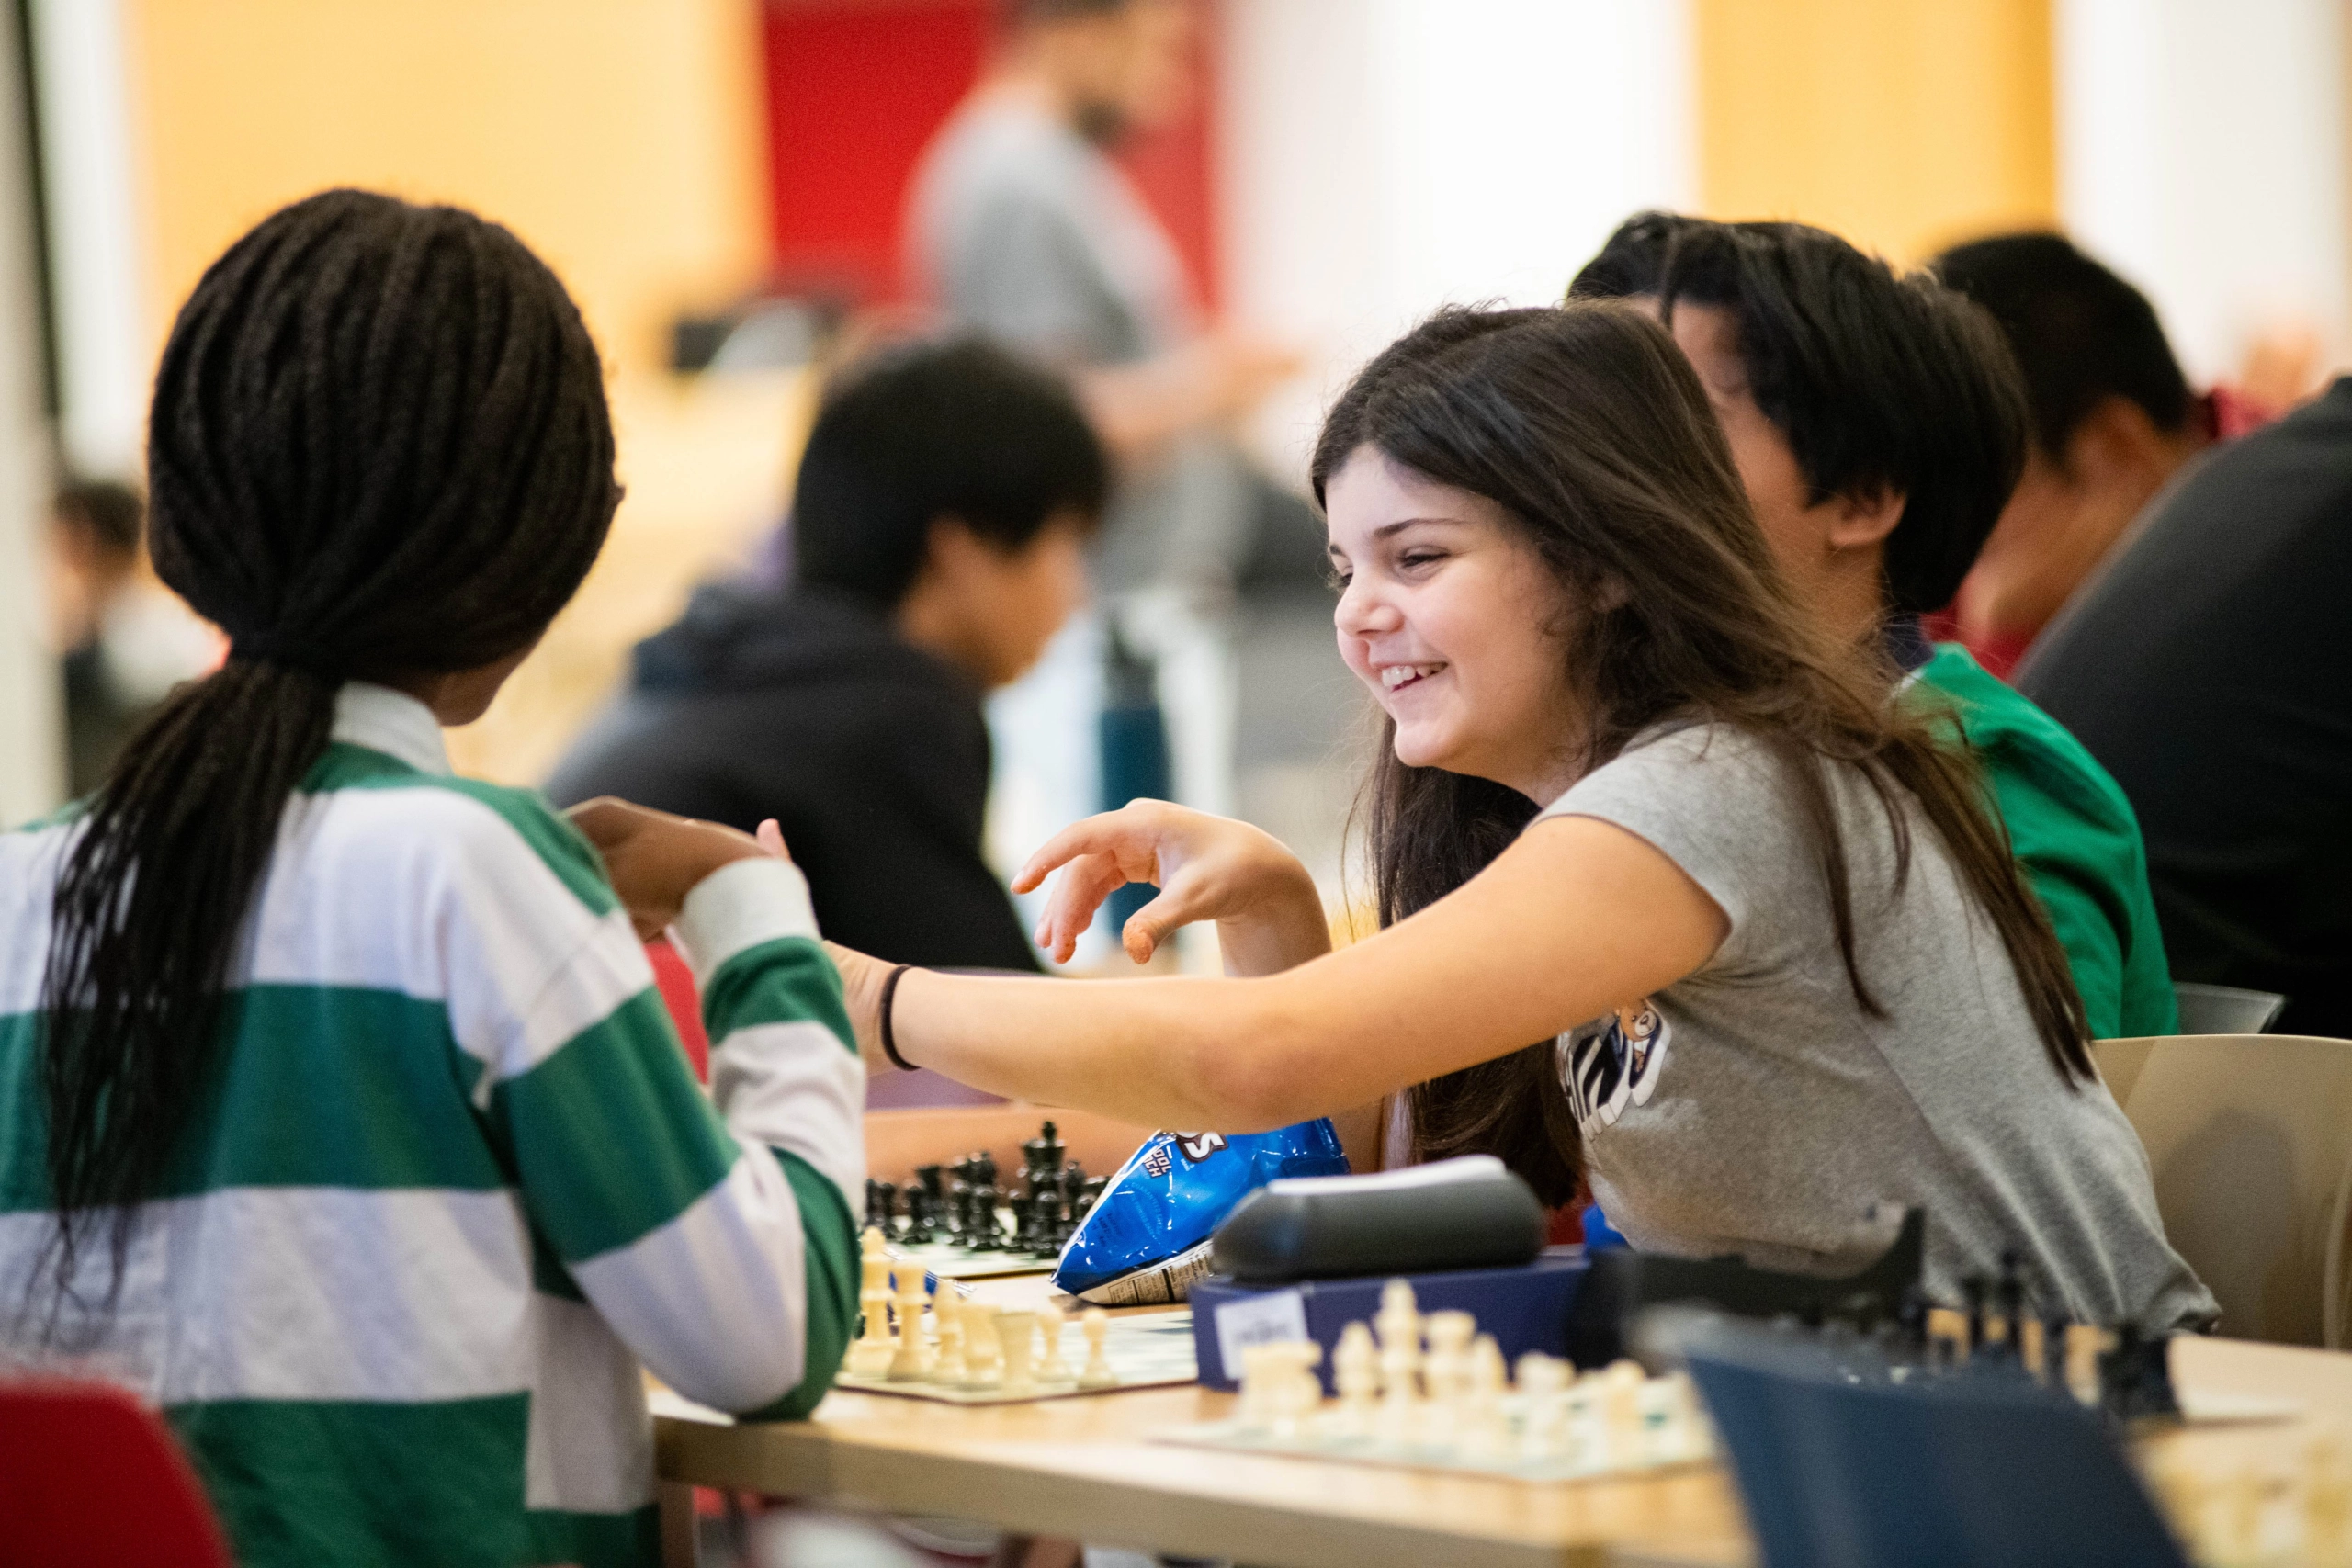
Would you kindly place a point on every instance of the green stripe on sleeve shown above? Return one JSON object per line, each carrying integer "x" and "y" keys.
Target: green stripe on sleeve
{"x": 829, "y": 1245}
{"x": 611, "y": 1137}
{"x": 788, "y": 980}
{"x": 554, "y": 840}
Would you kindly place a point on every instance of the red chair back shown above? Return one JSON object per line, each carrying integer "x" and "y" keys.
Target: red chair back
{"x": 88, "y": 1474}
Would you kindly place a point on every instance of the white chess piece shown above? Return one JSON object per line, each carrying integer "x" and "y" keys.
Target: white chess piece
{"x": 1015, "y": 1332}
{"x": 948, "y": 1370}
{"x": 1298, "y": 1390}
{"x": 873, "y": 1354}
{"x": 1050, "y": 1319}
{"x": 1619, "y": 1388}
{"x": 980, "y": 1358}
{"x": 1543, "y": 1394}
{"x": 1097, "y": 1373}
{"x": 1445, "y": 1375}
{"x": 1355, "y": 1372}
{"x": 1479, "y": 1425}
{"x": 1399, "y": 1326}
{"x": 1259, "y": 1373}
{"x": 912, "y": 1360}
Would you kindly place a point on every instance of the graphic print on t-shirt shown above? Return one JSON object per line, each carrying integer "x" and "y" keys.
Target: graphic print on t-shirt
{"x": 1613, "y": 1062}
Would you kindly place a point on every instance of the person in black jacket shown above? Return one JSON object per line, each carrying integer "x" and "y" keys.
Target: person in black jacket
{"x": 937, "y": 542}
{"x": 2208, "y": 668}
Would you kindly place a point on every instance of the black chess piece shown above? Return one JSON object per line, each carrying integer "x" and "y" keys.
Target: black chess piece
{"x": 983, "y": 1169}
{"x": 958, "y": 1213}
{"x": 932, "y": 1179}
{"x": 1025, "y": 1219}
{"x": 920, "y": 1216}
{"x": 1048, "y": 1236}
{"x": 2135, "y": 1377}
{"x": 881, "y": 1203}
{"x": 982, "y": 1230}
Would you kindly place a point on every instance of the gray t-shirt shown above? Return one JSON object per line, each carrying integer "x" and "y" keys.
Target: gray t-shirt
{"x": 1754, "y": 1107}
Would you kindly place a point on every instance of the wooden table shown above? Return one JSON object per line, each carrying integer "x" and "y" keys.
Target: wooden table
{"x": 1084, "y": 1467}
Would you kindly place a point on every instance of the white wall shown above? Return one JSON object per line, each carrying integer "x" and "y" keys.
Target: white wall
{"x": 2202, "y": 154}
{"x": 1382, "y": 157}
{"x": 94, "y": 243}
{"x": 32, "y": 739}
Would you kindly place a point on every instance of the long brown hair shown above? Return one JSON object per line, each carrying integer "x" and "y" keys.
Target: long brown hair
{"x": 1589, "y": 429}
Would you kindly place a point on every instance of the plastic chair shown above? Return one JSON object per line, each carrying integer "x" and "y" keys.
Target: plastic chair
{"x": 2249, "y": 1138}
{"x": 2225, "y": 1009}
{"x": 88, "y": 1474}
{"x": 1840, "y": 1467}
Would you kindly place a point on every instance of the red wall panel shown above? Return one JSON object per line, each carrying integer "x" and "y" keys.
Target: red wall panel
{"x": 857, "y": 88}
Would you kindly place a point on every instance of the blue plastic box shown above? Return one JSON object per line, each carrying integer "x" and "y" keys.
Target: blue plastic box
{"x": 1525, "y": 1308}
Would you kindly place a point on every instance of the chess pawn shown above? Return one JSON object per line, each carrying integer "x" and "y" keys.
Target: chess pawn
{"x": 981, "y": 1360}
{"x": 1542, "y": 1396}
{"x": 1260, "y": 1370}
{"x": 1619, "y": 1389}
{"x": 1479, "y": 1421}
{"x": 1015, "y": 1334}
{"x": 874, "y": 1352}
{"x": 1296, "y": 1390}
{"x": 1097, "y": 1373}
{"x": 912, "y": 1361}
{"x": 1448, "y": 1367}
{"x": 1053, "y": 1369}
{"x": 947, "y": 1312}
{"x": 1355, "y": 1372}
{"x": 2084, "y": 1346}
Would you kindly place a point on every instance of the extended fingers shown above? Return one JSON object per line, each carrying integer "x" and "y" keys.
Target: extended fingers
{"x": 1129, "y": 835}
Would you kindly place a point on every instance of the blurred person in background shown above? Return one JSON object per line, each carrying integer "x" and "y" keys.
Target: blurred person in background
{"x": 1879, "y": 426}
{"x": 123, "y": 639}
{"x": 2208, "y": 668}
{"x": 937, "y": 533}
{"x": 2113, "y": 420}
{"x": 1021, "y": 226}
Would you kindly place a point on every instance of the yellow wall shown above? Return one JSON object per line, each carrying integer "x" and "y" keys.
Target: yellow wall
{"x": 621, "y": 138}
{"x": 1901, "y": 124}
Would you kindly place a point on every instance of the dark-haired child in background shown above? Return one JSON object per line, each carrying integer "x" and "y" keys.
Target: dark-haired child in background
{"x": 2113, "y": 420}
{"x": 936, "y": 536}
{"x": 1879, "y": 426}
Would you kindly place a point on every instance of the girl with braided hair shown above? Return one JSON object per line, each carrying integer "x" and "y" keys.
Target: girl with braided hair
{"x": 338, "y": 1113}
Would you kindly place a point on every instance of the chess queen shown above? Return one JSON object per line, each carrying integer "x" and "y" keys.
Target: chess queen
{"x": 1636, "y": 802}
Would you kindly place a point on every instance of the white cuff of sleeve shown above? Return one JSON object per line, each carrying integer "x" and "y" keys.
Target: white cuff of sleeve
{"x": 738, "y": 907}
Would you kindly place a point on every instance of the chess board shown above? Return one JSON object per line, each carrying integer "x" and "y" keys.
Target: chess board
{"x": 1150, "y": 1350}
{"x": 952, "y": 1260}
{"x": 1421, "y": 1442}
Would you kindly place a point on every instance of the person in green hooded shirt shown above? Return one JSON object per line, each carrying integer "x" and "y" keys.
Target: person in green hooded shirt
{"x": 1879, "y": 424}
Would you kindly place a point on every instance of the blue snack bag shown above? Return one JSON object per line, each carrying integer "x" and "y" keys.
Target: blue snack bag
{"x": 1146, "y": 1238}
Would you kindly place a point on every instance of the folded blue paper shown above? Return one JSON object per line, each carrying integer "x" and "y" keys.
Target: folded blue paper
{"x": 1146, "y": 1238}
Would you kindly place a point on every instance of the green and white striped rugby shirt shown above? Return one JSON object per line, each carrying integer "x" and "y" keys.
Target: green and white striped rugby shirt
{"x": 453, "y": 1182}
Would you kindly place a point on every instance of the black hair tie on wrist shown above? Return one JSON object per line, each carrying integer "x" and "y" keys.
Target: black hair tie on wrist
{"x": 889, "y": 1041}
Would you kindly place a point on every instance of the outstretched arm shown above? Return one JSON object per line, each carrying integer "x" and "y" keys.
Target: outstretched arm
{"x": 1574, "y": 918}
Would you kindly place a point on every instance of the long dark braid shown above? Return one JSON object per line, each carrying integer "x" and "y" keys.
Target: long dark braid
{"x": 379, "y": 449}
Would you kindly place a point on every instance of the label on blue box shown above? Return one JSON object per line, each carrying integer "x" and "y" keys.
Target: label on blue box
{"x": 1270, "y": 1319}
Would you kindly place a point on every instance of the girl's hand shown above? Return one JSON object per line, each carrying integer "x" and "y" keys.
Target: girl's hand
{"x": 1206, "y": 868}
{"x": 655, "y": 859}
